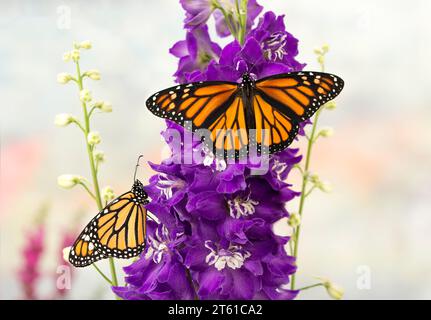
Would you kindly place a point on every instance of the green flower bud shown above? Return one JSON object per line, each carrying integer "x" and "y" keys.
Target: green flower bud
{"x": 99, "y": 156}
{"x": 108, "y": 193}
{"x": 331, "y": 105}
{"x": 294, "y": 220}
{"x": 326, "y": 132}
{"x": 333, "y": 290}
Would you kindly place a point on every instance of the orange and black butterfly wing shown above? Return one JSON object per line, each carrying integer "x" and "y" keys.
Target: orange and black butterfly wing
{"x": 83, "y": 251}
{"x": 119, "y": 230}
{"x": 213, "y": 105}
{"x": 282, "y": 101}
{"x": 199, "y": 102}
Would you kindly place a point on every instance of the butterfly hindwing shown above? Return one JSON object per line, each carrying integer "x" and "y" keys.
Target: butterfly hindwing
{"x": 83, "y": 251}
{"x": 117, "y": 231}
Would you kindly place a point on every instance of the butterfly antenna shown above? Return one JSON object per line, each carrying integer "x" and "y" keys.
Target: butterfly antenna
{"x": 136, "y": 168}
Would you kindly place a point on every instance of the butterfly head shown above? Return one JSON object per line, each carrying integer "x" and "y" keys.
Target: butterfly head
{"x": 138, "y": 190}
{"x": 247, "y": 79}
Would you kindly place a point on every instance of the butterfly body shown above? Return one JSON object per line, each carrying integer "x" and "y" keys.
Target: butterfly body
{"x": 117, "y": 231}
{"x": 261, "y": 114}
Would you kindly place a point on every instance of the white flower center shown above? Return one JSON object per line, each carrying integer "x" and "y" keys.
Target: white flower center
{"x": 233, "y": 257}
{"x": 239, "y": 207}
{"x": 274, "y": 47}
{"x": 279, "y": 167}
{"x": 209, "y": 160}
{"x": 166, "y": 185}
{"x": 158, "y": 245}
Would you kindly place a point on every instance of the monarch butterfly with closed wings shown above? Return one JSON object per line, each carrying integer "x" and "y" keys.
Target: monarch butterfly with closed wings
{"x": 118, "y": 230}
{"x": 263, "y": 113}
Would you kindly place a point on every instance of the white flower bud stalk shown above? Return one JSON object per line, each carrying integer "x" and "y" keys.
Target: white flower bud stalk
{"x": 99, "y": 156}
{"x": 68, "y": 181}
{"x": 294, "y": 220}
{"x": 85, "y": 95}
{"x": 334, "y": 291}
{"x": 63, "y": 119}
{"x": 75, "y": 55}
{"x": 104, "y": 106}
{"x": 108, "y": 193}
{"x": 67, "y": 56}
{"x": 85, "y": 45}
{"x": 94, "y": 138}
{"x": 326, "y": 132}
{"x": 93, "y": 74}
{"x": 64, "y": 78}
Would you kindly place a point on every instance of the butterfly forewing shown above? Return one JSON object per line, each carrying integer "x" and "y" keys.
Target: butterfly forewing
{"x": 198, "y": 102}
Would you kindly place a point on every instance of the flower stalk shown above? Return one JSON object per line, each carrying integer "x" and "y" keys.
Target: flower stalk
{"x": 91, "y": 138}
{"x": 305, "y": 171}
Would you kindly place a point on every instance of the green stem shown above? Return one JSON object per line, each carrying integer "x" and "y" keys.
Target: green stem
{"x": 310, "y": 286}
{"x": 190, "y": 279}
{"x": 98, "y": 198}
{"x": 88, "y": 190}
{"x": 102, "y": 274}
{"x": 303, "y": 192}
{"x": 242, "y": 14}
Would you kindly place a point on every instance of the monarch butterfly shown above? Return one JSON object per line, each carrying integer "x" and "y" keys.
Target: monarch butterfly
{"x": 273, "y": 107}
{"x": 118, "y": 230}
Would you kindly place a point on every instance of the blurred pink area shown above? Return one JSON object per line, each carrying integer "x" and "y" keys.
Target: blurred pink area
{"x": 19, "y": 161}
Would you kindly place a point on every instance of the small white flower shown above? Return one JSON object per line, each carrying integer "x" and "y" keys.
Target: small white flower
{"x": 85, "y": 45}
{"x": 66, "y": 252}
{"x": 75, "y": 55}
{"x": 94, "y": 138}
{"x": 67, "y": 56}
{"x": 333, "y": 290}
{"x": 63, "y": 119}
{"x": 92, "y": 74}
{"x": 294, "y": 220}
{"x": 99, "y": 156}
{"x": 325, "y": 48}
{"x": 68, "y": 181}
{"x": 108, "y": 193}
{"x": 85, "y": 95}
{"x": 326, "y": 132}
{"x": 64, "y": 78}
{"x": 104, "y": 106}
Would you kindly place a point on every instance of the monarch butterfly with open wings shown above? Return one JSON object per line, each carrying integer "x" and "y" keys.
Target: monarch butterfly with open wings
{"x": 117, "y": 231}
{"x": 264, "y": 114}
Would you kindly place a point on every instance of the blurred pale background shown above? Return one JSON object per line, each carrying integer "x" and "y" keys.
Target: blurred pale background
{"x": 377, "y": 219}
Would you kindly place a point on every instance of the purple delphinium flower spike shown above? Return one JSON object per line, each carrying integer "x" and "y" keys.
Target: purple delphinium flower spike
{"x": 214, "y": 238}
